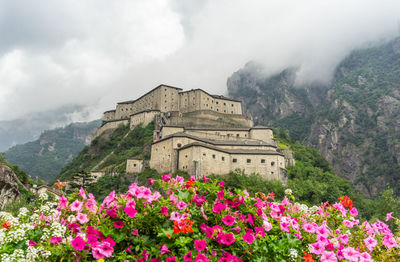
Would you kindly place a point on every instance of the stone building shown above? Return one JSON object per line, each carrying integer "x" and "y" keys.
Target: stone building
{"x": 199, "y": 133}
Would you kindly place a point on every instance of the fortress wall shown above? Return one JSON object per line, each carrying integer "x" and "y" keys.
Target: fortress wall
{"x": 169, "y": 130}
{"x": 110, "y": 125}
{"x": 235, "y": 119}
{"x": 109, "y": 115}
{"x": 169, "y": 99}
{"x": 134, "y": 166}
{"x": 248, "y": 147}
{"x": 162, "y": 156}
{"x": 219, "y": 134}
{"x": 143, "y": 118}
{"x": 262, "y": 134}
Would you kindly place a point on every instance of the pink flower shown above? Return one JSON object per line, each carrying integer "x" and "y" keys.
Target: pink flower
{"x": 309, "y": 228}
{"x": 164, "y": 211}
{"x": 221, "y": 184}
{"x": 188, "y": 257}
{"x": 78, "y": 243}
{"x": 249, "y": 238}
{"x": 96, "y": 252}
{"x": 200, "y": 245}
{"x": 32, "y": 243}
{"x": 389, "y": 241}
{"x": 218, "y": 207}
{"x": 354, "y": 212}
{"x": 201, "y": 258}
{"x": 151, "y": 181}
{"x": 76, "y": 206}
{"x": 63, "y": 201}
{"x": 389, "y": 216}
{"x": 328, "y": 257}
{"x": 82, "y": 193}
{"x": 267, "y": 225}
{"x": 82, "y": 218}
{"x": 228, "y": 220}
{"x": 370, "y": 243}
{"x": 118, "y": 224}
{"x": 181, "y": 205}
{"x": 228, "y": 239}
{"x": 365, "y": 257}
{"x": 164, "y": 249}
{"x": 106, "y": 249}
{"x": 350, "y": 253}
{"x": 171, "y": 259}
{"x": 55, "y": 240}
{"x": 220, "y": 194}
{"x": 259, "y": 231}
{"x": 135, "y": 232}
{"x": 130, "y": 211}
{"x": 166, "y": 178}
{"x": 317, "y": 248}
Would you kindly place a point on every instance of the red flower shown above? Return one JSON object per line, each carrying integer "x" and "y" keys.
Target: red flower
{"x": 308, "y": 257}
{"x": 6, "y": 225}
{"x": 346, "y": 201}
{"x": 190, "y": 183}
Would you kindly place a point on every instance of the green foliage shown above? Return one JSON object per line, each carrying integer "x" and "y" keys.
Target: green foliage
{"x": 122, "y": 144}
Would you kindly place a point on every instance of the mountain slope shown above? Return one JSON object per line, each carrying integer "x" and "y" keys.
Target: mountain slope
{"x": 354, "y": 121}
{"x": 45, "y": 157}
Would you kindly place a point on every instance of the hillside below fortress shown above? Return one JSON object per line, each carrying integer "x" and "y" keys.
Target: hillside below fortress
{"x": 199, "y": 133}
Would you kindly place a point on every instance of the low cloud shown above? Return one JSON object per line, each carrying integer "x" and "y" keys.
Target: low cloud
{"x": 96, "y": 53}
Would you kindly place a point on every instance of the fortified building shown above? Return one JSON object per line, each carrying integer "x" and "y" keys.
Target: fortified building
{"x": 199, "y": 133}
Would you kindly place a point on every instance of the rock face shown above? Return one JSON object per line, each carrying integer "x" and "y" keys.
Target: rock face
{"x": 354, "y": 121}
{"x": 8, "y": 186}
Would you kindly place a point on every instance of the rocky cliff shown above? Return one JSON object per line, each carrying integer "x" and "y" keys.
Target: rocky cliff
{"x": 8, "y": 186}
{"x": 354, "y": 121}
{"x": 45, "y": 156}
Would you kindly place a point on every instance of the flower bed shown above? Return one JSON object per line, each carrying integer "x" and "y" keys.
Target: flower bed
{"x": 193, "y": 221}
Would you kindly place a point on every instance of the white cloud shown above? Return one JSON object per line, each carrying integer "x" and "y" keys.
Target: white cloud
{"x": 57, "y": 52}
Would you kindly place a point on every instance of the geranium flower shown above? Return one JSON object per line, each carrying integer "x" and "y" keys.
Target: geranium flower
{"x": 118, "y": 224}
{"x": 200, "y": 245}
{"x": 228, "y": 220}
{"x": 78, "y": 243}
{"x": 308, "y": 257}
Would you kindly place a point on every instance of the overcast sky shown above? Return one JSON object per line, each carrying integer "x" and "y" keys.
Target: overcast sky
{"x": 98, "y": 52}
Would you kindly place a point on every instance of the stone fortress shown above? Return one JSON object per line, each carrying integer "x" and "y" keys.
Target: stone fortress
{"x": 198, "y": 133}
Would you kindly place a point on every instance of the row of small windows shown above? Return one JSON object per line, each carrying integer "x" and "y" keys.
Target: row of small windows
{"x": 234, "y": 160}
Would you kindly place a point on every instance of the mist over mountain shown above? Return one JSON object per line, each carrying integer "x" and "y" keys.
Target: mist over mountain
{"x": 30, "y": 126}
{"x": 44, "y": 157}
{"x": 352, "y": 120}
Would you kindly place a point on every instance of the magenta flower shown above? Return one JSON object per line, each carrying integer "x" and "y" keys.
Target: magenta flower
{"x": 96, "y": 252}
{"x": 63, "y": 201}
{"x": 164, "y": 249}
{"x": 130, "y": 211}
{"x": 228, "y": 220}
{"x": 151, "y": 181}
{"x": 350, "y": 254}
{"x": 218, "y": 207}
{"x": 389, "y": 241}
{"x": 220, "y": 194}
{"x": 55, "y": 240}
{"x": 249, "y": 238}
{"x": 106, "y": 249}
{"x": 200, "y": 245}
{"x": 32, "y": 243}
{"x": 201, "y": 258}
{"x": 181, "y": 205}
{"x": 166, "y": 178}
{"x": 171, "y": 259}
{"x": 135, "y": 232}
{"x": 78, "y": 243}
{"x": 228, "y": 239}
{"x": 389, "y": 216}
{"x": 82, "y": 193}
{"x": 118, "y": 224}
{"x": 309, "y": 228}
{"x": 188, "y": 257}
{"x": 76, "y": 206}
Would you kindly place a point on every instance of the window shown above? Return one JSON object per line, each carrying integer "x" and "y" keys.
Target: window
{"x": 186, "y": 156}
{"x": 262, "y": 161}
{"x": 179, "y": 145}
{"x": 216, "y": 102}
{"x": 223, "y": 158}
{"x": 272, "y": 163}
{"x": 213, "y": 156}
{"x": 204, "y": 154}
{"x": 234, "y": 160}
{"x": 224, "y": 104}
{"x": 232, "y": 105}
{"x": 237, "y": 135}
{"x": 248, "y": 160}
{"x": 134, "y": 165}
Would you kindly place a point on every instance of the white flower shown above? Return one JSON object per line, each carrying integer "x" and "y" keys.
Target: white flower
{"x": 288, "y": 192}
{"x": 293, "y": 253}
{"x": 43, "y": 197}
